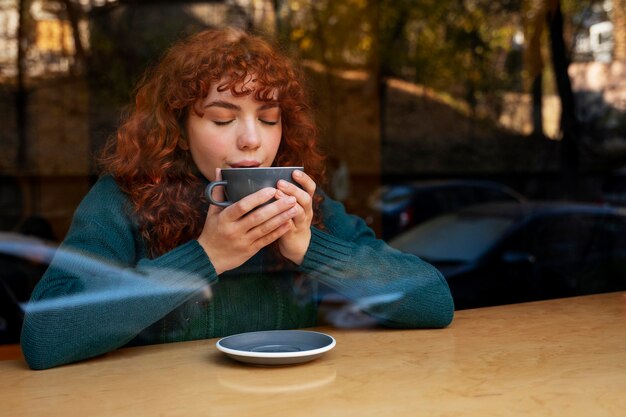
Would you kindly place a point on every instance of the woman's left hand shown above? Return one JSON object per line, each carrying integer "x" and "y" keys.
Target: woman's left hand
{"x": 294, "y": 244}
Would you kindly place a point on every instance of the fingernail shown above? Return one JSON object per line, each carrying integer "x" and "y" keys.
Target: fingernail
{"x": 291, "y": 200}
{"x": 280, "y": 194}
{"x": 297, "y": 173}
{"x": 282, "y": 183}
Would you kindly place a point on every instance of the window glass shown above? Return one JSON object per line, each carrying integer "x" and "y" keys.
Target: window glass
{"x": 453, "y": 238}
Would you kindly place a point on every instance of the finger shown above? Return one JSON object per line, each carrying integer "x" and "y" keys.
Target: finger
{"x": 248, "y": 203}
{"x": 305, "y": 181}
{"x": 301, "y": 219}
{"x": 273, "y": 236}
{"x": 268, "y": 226}
{"x": 302, "y": 195}
{"x": 268, "y": 212}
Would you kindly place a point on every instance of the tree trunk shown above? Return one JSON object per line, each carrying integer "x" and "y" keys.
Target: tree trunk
{"x": 569, "y": 121}
{"x": 534, "y": 24}
{"x": 21, "y": 93}
{"x": 537, "y": 108}
{"x": 79, "y": 52}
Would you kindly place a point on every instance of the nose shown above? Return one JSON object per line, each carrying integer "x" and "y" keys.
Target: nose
{"x": 249, "y": 136}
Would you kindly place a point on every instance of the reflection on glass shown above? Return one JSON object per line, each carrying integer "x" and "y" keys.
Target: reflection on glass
{"x": 452, "y": 238}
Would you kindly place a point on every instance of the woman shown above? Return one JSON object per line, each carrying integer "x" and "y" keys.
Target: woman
{"x": 147, "y": 260}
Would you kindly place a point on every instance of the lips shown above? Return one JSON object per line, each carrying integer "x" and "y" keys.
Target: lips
{"x": 245, "y": 164}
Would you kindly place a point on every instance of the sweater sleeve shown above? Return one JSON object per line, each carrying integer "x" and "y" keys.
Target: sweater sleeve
{"x": 95, "y": 297}
{"x": 397, "y": 289}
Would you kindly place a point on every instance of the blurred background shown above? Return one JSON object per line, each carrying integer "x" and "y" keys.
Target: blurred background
{"x": 425, "y": 107}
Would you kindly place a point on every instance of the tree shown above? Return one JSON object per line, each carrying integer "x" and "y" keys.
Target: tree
{"x": 570, "y": 126}
{"x": 73, "y": 12}
{"x": 21, "y": 93}
{"x": 534, "y": 24}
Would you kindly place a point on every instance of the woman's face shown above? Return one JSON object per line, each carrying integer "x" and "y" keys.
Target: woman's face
{"x": 233, "y": 132}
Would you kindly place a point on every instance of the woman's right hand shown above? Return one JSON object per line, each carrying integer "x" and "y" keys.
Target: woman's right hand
{"x": 234, "y": 234}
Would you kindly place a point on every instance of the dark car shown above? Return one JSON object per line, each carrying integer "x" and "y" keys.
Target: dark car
{"x": 614, "y": 189}
{"x": 402, "y": 206}
{"x": 503, "y": 253}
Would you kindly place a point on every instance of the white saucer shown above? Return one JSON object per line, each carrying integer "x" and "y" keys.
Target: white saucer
{"x": 276, "y": 347}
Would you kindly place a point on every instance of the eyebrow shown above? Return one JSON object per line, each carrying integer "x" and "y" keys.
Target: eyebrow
{"x": 223, "y": 104}
{"x": 231, "y": 106}
{"x": 269, "y": 105}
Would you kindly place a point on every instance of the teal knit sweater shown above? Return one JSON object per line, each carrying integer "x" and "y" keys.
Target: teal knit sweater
{"x": 102, "y": 291}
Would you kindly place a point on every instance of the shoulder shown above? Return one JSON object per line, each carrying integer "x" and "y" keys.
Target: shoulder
{"x": 105, "y": 191}
{"x": 103, "y": 220}
{"x": 105, "y": 198}
{"x": 107, "y": 185}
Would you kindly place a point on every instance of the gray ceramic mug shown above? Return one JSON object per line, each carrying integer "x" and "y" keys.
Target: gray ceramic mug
{"x": 240, "y": 182}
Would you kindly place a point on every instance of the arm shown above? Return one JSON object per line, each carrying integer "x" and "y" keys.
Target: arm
{"x": 100, "y": 291}
{"x": 348, "y": 258}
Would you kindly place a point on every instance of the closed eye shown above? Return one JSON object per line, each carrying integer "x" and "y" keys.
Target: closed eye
{"x": 269, "y": 122}
{"x": 223, "y": 122}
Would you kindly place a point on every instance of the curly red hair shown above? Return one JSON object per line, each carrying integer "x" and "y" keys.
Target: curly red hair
{"x": 149, "y": 155}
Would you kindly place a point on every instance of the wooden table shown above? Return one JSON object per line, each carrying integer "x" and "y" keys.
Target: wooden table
{"x": 563, "y": 357}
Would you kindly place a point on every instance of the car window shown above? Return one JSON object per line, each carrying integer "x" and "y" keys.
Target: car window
{"x": 452, "y": 198}
{"x": 452, "y": 238}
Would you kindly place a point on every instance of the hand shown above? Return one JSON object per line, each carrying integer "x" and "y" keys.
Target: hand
{"x": 234, "y": 234}
{"x": 294, "y": 244}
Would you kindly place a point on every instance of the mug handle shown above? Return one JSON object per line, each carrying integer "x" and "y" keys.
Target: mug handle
{"x": 209, "y": 191}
